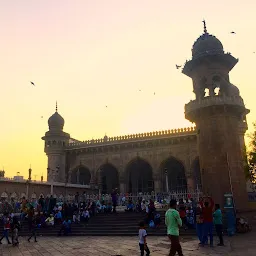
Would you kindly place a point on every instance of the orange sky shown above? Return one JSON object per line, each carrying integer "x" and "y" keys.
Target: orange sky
{"x": 89, "y": 54}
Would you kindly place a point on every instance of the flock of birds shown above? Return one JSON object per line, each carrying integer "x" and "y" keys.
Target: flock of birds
{"x": 177, "y": 67}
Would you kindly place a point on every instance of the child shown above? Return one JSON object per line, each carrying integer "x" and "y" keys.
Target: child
{"x": 15, "y": 230}
{"x": 142, "y": 239}
{"x": 190, "y": 217}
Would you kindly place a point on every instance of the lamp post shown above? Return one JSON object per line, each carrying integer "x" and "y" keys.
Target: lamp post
{"x": 27, "y": 185}
{"x": 166, "y": 179}
{"x": 52, "y": 173}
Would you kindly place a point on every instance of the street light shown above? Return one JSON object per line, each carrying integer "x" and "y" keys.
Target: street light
{"x": 52, "y": 173}
{"x": 166, "y": 179}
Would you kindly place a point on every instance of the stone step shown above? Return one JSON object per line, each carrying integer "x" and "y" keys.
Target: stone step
{"x": 119, "y": 224}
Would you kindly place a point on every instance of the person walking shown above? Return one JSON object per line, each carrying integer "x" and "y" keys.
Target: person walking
{"x": 34, "y": 226}
{"x": 173, "y": 223}
{"x": 217, "y": 219}
{"x": 7, "y": 226}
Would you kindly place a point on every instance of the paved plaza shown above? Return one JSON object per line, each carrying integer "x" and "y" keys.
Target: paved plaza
{"x": 126, "y": 246}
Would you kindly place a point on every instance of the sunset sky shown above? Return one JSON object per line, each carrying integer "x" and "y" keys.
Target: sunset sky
{"x": 87, "y": 54}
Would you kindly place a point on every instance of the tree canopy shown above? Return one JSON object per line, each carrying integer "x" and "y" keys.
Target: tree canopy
{"x": 250, "y": 156}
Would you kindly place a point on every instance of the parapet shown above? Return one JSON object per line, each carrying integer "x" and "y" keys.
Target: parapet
{"x": 136, "y": 137}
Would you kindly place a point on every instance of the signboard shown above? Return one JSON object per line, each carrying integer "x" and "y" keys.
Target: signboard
{"x": 229, "y": 203}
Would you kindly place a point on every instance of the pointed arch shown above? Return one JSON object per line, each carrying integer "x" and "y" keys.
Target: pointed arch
{"x": 108, "y": 177}
{"x": 173, "y": 170}
{"x": 139, "y": 174}
{"x": 14, "y": 195}
{"x": 4, "y": 195}
{"x": 81, "y": 175}
{"x": 33, "y": 196}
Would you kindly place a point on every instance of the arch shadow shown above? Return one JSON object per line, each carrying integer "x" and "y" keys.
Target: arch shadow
{"x": 139, "y": 176}
{"x": 108, "y": 178}
{"x": 173, "y": 172}
{"x": 81, "y": 175}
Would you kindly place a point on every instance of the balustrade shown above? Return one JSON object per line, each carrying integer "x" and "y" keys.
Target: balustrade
{"x": 134, "y": 137}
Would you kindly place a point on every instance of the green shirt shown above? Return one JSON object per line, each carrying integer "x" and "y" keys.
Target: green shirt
{"x": 217, "y": 217}
{"x": 173, "y": 221}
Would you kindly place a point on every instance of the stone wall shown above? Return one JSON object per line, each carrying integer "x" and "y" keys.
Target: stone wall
{"x": 19, "y": 189}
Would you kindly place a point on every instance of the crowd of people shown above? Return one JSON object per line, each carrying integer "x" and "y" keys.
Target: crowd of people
{"x": 189, "y": 214}
{"x": 185, "y": 214}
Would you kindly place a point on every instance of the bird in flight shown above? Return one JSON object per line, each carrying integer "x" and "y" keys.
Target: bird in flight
{"x": 106, "y": 106}
{"x": 42, "y": 117}
{"x": 233, "y": 32}
{"x": 32, "y": 83}
{"x": 140, "y": 90}
{"x": 154, "y": 93}
{"x": 177, "y": 66}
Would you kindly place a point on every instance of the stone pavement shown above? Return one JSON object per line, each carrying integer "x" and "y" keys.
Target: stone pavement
{"x": 242, "y": 245}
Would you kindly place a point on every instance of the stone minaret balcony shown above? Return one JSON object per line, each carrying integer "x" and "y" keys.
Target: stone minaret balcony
{"x": 192, "y": 108}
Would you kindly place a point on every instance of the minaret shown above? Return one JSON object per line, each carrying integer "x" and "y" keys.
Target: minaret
{"x": 55, "y": 142}
{"x": 220, "y": 117}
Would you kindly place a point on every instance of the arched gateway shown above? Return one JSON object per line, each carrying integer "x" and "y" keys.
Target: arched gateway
{"x": 173, "y": 173}
{"x": 108, "y": 178}
{"x": 81, "y": 175}
{"x": 139, "y": 176}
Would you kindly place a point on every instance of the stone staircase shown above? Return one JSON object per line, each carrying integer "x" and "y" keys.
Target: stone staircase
{"x": 112, "y": 224}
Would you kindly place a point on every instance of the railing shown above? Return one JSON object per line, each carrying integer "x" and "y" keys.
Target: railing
{"x": 215, "y": 100}
{"x": 135, "y": 137}
{"x": 252, "y": 196}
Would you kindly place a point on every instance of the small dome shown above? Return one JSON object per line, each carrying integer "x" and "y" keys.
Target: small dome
{"x": 207, "y": 44}
{"x": 56, "y": 121}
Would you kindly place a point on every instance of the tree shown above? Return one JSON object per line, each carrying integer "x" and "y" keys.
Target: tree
{"x": 250, "y": 157}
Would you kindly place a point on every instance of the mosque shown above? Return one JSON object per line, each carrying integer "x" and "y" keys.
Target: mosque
{"x": 208, "y": 156}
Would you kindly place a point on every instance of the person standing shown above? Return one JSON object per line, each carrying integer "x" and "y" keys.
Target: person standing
{"x": 207, "y": 213}
{"x": 199, "y": 224}
{"x": 173, "y": 223}
{"x": 142, "y": 239}
{"x": 217, "y": 218}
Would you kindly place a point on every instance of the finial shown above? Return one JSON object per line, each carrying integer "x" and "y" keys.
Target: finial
{"x": 205, "y": 29}
{"x": 56, "y": 106}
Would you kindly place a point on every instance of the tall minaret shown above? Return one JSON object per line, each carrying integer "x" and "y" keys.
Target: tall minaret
{"x": 55, "y": 143}
{"x": 220, "y": 117}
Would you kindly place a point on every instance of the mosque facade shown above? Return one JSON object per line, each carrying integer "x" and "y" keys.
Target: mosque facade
{"x": 208, "y": 156}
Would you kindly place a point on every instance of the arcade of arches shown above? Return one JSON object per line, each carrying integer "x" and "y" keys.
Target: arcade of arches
{"x": 138, "y": 176}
